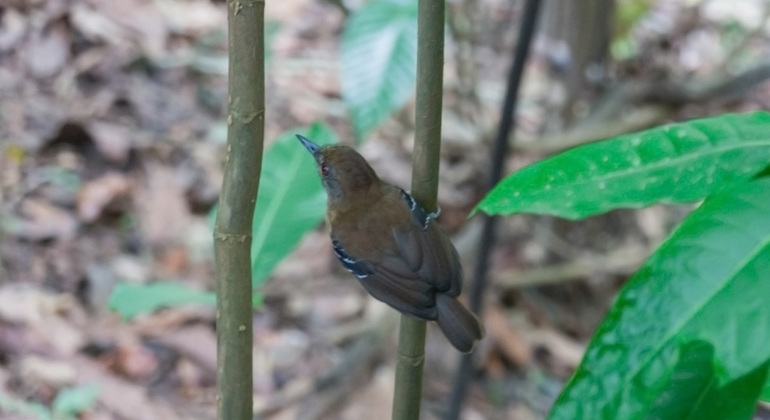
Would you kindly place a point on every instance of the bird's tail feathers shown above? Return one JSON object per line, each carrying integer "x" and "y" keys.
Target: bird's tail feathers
{"x": 459, "y": 325}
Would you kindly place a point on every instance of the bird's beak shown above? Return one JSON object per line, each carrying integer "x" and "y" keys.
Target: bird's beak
{"x": 309, "y": 145}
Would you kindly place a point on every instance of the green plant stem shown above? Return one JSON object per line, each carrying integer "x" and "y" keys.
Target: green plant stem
{"x": 427, "y": 144}
{"x": 409, "y": 365}
{"x": 232, "y": 234}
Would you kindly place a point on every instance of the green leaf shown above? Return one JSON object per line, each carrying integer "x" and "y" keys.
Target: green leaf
{"x": 686, "y": 383}
{"x": 673, "y": 164}
{"x": 708, "y": 281}
{"x": 736, "y": 400}
{"x": 130, "y": 300}
{"x": 379, "y": 60}
{"x": 690, "y": 391}
{"x": 291, "y": 199}
{"x": 70, "y": 402}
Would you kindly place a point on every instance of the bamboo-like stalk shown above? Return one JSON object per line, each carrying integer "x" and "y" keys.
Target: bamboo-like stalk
{"x": 232, "y": 234}
{"x": 427, "y": 144}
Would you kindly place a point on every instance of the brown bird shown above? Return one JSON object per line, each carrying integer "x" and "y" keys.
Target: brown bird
{"x": 392, "y": 245}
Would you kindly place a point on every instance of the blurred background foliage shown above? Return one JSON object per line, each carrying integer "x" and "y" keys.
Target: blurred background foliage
{"x": 112, "y": 130}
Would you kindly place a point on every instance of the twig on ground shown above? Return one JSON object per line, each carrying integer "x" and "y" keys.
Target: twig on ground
{"x": 622, "y": 261}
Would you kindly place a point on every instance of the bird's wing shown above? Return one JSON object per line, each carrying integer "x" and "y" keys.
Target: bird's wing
{"x": 427, "y": 251}
{"x": 357, "y": 267}
{"x": 393, "y": 282}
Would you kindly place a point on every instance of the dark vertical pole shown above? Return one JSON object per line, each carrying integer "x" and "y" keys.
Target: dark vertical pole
{"x": 497, "y": 157}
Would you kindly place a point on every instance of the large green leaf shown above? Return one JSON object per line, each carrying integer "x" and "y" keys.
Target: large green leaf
{"x": 692, "y": 391}
{"x": 707, "y": 282}
{"x": 672, "y": 164}
{"x": 291, "y": 200}
{"x": 130, "y": 300}
{"x": 736, "y": 400}
{"x": 686, "y": 383}
{"x": 379, "y": 60}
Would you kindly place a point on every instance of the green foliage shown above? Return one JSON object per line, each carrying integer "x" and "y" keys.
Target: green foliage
{"x": 62, "y": 178}
{"x": 686, "y": 337}
{"x": 379, "y": 59}
{"x": 291, "y": 200}
{"x": 67, "y": 405}
{"x": 70, "y": 402}
{"x": 130, "y": 300}
{"x": 678, "y": 163}
{"x": 627, "y": 14}
{"x": 290, "y": 203}
{"x": 690, "y": 390}
{"x": 704, "y": 283}
{"x": 28, "y": 409}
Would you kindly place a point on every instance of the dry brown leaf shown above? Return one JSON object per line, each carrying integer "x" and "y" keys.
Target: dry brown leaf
{"x": 566, "y": 352}
{"x": 48, "y": 53}
{"x": 99, "y": 193}
{"x": 197, "y": 342}
{"x": 131, "y": 269}
{"x": 172, "y": 318}
{"x": 286, "y": 348}
{"x": 285, "y": 11}
{"x": 112, "y": 140}
{"x": 162, "y": 206}
{"x": 17, "y": 340}
{"x": 173, "y": 261}
{"x": 140, "y": 19}
{"x": 494, "y": 366}
{"x": 332, "y": 309}
{"x": 43, "y": 314}
{"x": 96, "y": 26}
{"x": 124, "y": 399}
{"x": 312, "y": 256}
{"x": 36, "y": 371}
{"x": 192, "y": 377}
{"x": 42, "y": 220}
{"x": 373, "y": 402}
{"x": 512, "y": 344}
{"x": 192, "y": 17}
{"x": 49, "y": 10}
{"x": 522, "y": 412}
{"x": 134, "y": 360}
{"x": 13, "y": 27}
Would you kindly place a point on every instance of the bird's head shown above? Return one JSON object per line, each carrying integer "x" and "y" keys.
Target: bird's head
{"x": 345, "y": 173}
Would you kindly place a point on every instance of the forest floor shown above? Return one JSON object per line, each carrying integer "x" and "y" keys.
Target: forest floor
{"x": 111, "y": 143}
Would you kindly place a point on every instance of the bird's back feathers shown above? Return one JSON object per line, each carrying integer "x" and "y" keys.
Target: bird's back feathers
{"x": 408, "y": 256}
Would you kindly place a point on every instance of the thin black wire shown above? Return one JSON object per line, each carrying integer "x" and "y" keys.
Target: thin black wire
{"x": 499, "y": 152}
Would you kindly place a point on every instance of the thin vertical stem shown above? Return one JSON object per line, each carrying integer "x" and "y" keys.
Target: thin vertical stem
{"x": 497, "y": 157}
{"x": 232, "y": 234}
{"x": 427, "y": 144}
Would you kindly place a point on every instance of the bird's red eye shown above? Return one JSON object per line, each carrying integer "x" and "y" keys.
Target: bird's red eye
{"x": 324, "y": 170}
